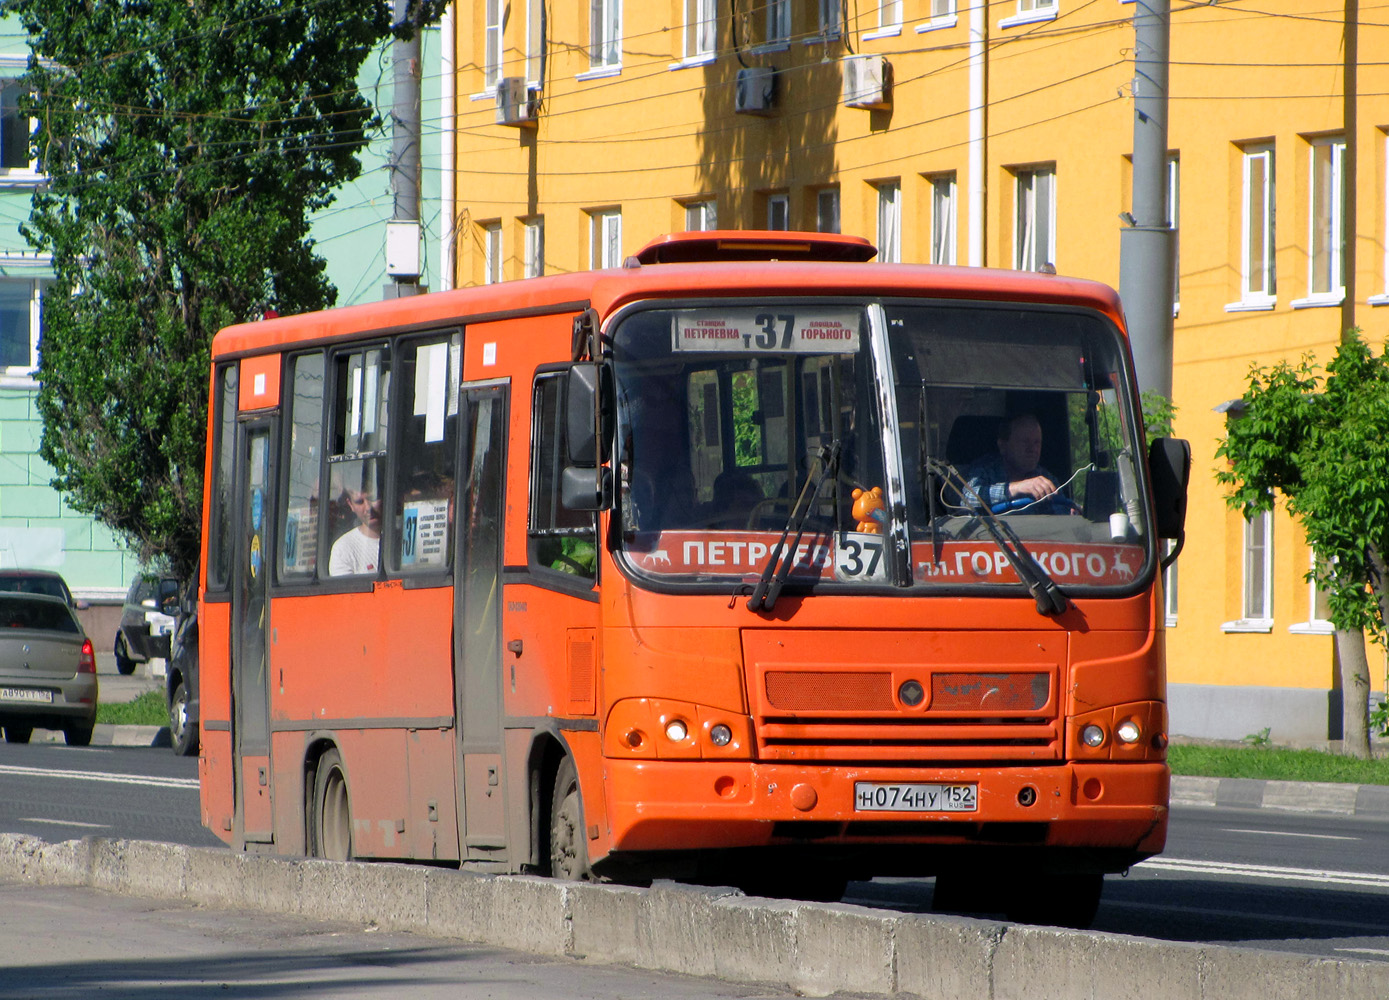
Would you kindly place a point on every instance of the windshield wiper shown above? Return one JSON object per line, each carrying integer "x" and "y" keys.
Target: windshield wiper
{"x": 1051, "y": 600}
{"x": 776, "y": 570}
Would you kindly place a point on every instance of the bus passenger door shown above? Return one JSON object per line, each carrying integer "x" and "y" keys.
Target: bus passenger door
{"x": 477, "y": 653}
{"x": 250, "y": 612}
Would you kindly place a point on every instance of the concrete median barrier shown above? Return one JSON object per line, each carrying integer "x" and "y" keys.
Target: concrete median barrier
{"x": 813, "y": 948}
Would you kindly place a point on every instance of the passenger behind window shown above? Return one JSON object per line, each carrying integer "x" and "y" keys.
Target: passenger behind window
{"x": 736, "y": 496}
{"x": 358, "y": 551}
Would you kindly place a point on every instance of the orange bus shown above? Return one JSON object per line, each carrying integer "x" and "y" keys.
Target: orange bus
{"x": 694, "y": 568}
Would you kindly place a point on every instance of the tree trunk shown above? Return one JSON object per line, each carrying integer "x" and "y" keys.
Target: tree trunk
{"x": 1355, "y": 693}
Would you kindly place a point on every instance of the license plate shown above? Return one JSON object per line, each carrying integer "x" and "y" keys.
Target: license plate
{"x": 872, "y": 796}
{"x": 26, "y": 694}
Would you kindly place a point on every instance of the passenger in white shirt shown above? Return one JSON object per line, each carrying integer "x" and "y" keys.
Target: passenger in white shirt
{"x": 358, "y": 551}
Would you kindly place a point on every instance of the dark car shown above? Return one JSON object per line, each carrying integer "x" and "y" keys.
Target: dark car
{"x": 181, "y": 684}
{"x": 38, "y": 581}
{"x": 146, "y": 621}
{"x": 47, "y": 669}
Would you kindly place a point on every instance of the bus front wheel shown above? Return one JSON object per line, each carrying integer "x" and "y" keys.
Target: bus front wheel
{"x": 330, "y": 820}
{"x": 568, "y": 847}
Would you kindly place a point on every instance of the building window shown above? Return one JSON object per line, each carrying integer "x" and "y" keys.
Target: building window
{"x": 1256, "y": 595}
{"x": 889, "y": 16}
{"x": 605, "y": 34}
{"x": 1258, "y": 284}
{"x": 943, "y": 219}
{"x": 701, "y": 25}
{"x": 831, "y": 18}
{"x": 942, "y": 9}
{"x": 605, "y": 238}
{"x": 1033, "y": 6}
{"x": 778, "y": 22}
{"x": 535, "y": 42}
{"x": 890, "y": 222}
{"x": 491, "y": 253}
{"x": 492, "y": 35}
{"x": 827, "y": 210}
{"x": 1174, "y": 191}
{"x": 778, "y": 212}
{"x": 534, "y": 262}
{"x": 15, "y": 127}
{"x": 1034, "y": 234}
{"x": 1327, "y": 237}
{"x": 1169, "y": 586}
{"x": 1318, "y": 604}
{"x": 701, "y": 216}
{"x": 20, "y": 313}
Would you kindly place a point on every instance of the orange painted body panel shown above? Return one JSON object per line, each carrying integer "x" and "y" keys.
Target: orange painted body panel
{"x": 259, "y": 383}
{"x": 215, "y": 779}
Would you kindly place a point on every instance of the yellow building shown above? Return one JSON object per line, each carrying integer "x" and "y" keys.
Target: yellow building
{"x": 995, "y": 135}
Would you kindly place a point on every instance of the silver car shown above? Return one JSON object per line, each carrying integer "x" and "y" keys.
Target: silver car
{"x": 47, "y": 670}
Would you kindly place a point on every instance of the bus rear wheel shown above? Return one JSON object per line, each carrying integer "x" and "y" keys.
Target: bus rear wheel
{"x": 330, "y": 819}
{"x": 568, "y": 846}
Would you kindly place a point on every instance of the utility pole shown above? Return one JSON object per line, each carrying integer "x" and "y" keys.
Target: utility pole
{"x": 1146, "y": 243}
{"x": 403, "y": 231}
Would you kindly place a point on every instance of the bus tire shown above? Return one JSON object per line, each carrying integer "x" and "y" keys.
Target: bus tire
{"x": 330, "y": 816}
{"x": 568, "y": 846}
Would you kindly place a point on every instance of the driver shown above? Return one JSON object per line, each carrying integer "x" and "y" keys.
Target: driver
{"x": 1015, "y": 472}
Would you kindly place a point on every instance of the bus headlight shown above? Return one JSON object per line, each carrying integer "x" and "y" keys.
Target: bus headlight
{"x": 1128, "y": 731}
{"x": 720, "y": 735}
{"x": 677, "y": 731}
{"x": 1092, "y": 736}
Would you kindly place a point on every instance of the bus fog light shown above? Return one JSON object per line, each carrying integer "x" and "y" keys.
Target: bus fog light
{"x": 676, "y": 731}
{"x": 720, "y": 735}
{"x": 1128, "y": 732}
{"x": 1092, "y": 735}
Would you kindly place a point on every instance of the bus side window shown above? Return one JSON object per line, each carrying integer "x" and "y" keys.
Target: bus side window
{"x": 220, "y": 525}
{"x": 426, "y": 454}
{"x": 357, "y": 461}
{"x": 561, "y": 540}
{"x": 304, "y": 469}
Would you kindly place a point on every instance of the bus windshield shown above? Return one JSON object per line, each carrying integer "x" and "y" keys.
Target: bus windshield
{"x": 887, "y": 436}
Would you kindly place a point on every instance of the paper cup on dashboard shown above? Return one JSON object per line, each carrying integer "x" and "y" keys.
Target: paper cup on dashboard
{"x": 1118, "y": 526}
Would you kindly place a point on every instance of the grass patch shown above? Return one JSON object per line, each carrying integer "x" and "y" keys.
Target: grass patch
{"x": 146, "y": 710}
{"x": 1276, "y": 764}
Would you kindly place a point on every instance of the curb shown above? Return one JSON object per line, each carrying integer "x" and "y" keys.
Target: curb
{"x": 1291, "y": 796}
{"x": 813, "y": 948}
{"x": 108, "y": 735}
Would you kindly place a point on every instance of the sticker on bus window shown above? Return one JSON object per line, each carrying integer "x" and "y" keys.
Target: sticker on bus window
{"x": 424, "y": 534}
{"x": 776, "y": 329}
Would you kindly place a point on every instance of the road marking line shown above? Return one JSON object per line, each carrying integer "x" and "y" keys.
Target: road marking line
{"x": 64, "y": 822}
{"x": 119, "y": 779}
{"x": 1283, "y": 833}
{"x": 1365, "y": 951}
{"x": 1367, "y": 879}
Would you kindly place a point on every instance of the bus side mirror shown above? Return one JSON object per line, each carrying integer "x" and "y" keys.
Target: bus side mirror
{"x": 1169, "y": 470}
{"x": 588, "y": 414}
{"x": 583, "y": 488}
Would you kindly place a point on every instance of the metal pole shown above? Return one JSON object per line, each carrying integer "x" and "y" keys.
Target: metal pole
{"x": 1146, "y": 259}
{"x": 403, "y": 233}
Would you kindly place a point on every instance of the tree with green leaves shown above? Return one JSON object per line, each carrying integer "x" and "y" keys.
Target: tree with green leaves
{"x": 1320, "y": 441}
{"x": 185, "y": 144}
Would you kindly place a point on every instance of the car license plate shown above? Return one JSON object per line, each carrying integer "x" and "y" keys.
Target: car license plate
{"x": 26, "y": 694}
{"x": 870, "y": 796}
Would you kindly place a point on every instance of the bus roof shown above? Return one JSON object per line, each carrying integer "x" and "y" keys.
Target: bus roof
{"x": 609, "y": 290}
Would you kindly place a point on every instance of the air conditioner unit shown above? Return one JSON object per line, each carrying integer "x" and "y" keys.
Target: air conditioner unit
{"x": 754, "y": 91}
{"x": 514, "y": 104}
{"x": 867, "y": 82}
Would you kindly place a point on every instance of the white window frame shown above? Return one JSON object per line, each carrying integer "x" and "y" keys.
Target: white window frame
{"x": 889, "y": 221}
{"x": 36, "y": 289}
{"x": 27, "y": 175}
{"x": 827, "y": 210}
{"x": 492, "y": 43}
{"x": 1326, "y": 227}
{"x": 701, "y": 31}
{"x": 779, "y": 212}
{"x": 1257, "y": 213}
{"x": 1169, "y": 586}
{"x": 491, "y": 252}
{"x": 944, "y": 217}
{"x": 701, "y": 216}
{"x": 605, "y": 238}
{"x": 535, "y": 43}
{"x": 1032, "y": 11}
{"x": 604, "y": 39}
{"x": 1256, "y": 578}
{"x": 778, "y": 24}
{"x": 533, "y": 261}
{"x": 889, "y": 20}
{"x": 1036, "y": 208}
{"x": 1315, "y": 624}
{"x": 944, "y": 14}
{"x": 831, "y": 18}
{"x": 1174, "y": 202}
